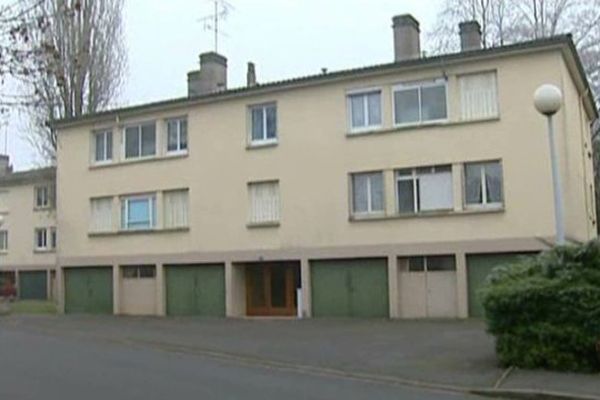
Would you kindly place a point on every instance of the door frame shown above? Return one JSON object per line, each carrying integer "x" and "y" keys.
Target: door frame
{"x": 267, "y": 310}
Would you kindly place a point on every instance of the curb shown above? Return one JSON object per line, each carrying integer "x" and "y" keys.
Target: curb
{"x": 530, "y": 394}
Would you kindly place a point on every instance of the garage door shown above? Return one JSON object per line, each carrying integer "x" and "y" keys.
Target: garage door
{"x": 196, "y": 290}
{"x": 33, "y": 285}
{"x": 89, "y": 290}
{"x": 478, "y": 269}
{"x": 350, "y": 288}
{"x": 428, "y": 287}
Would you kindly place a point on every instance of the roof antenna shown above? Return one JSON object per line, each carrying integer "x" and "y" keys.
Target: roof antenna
{"x": 222, "y": 9}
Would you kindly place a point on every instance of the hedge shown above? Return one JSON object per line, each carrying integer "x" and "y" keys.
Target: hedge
{"x": 545, "y": 311}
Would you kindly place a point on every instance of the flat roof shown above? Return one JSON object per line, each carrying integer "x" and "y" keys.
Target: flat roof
{"x": 564, "y": 41}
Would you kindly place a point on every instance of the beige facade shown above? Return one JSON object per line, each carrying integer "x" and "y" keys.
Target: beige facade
{"x": 28, "y": 231}
{"x": 312, "y": 161}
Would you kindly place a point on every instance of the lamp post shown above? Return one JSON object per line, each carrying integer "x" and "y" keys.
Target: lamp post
{"x": 548, "y": 100}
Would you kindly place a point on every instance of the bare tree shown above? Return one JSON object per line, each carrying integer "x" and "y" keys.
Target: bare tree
{"x": 509, "y": 21}
{"x": 83, "y": 69}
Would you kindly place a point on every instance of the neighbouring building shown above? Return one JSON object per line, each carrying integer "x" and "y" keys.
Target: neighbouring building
{"x": 28, "y": 232}
{"x": 383, "y": 191}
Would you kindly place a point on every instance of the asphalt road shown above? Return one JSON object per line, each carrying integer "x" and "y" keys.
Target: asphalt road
{"x": 41, "y": 365}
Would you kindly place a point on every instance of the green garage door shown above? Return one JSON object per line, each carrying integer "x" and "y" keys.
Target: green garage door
{"x": 33, "y": 285}
{"x": 196, "y": 290}
{"x": 350, "y": 288}
{"x": 478, "y": 269}
{"x": 89, "y": 290}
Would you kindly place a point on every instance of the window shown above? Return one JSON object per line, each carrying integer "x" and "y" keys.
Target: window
{"x": 478, "y": 95}
{"x": 176, "y": 208}
{"x": 365, "y": 110}
{"x": 53, "y": 238}
{"x": 103, "y": 146}
{"x": 367, "y": 193}
{"x": 177, "y": 135}
{"x": 3, "y": 241}
{"x": 138, "y": 212}
{"x": 140, "y": 141}
{"x": 139, "y": 272}
{"x": 264, "y": 202}
{"x": 45, "y": 239}
{"x": 424, "y": 189}
{"x": 101, "y": 214}
{"x": 483, "y": 184}
{"x": 42, "y": 197}
{"x": 419, "y": 103}
{"x": 431, "y": 263}
{"x": 3, "y": 200}
{"x": 264, "y": 124}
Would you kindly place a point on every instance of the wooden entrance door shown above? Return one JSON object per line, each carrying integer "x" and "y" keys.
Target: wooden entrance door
{"x": 271, "y": 289}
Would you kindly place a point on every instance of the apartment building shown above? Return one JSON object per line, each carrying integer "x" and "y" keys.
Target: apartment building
{"x": 28, "y": 232}
{"x": 383, "y": 191}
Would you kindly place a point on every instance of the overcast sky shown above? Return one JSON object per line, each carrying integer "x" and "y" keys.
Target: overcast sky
{"x": 284, "y": 38}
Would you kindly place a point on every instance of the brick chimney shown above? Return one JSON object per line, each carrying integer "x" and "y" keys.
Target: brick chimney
{"x": 407, "y": 42}
{"x": 212, "y": 76}
{"x": 470, "y": 35}
{"x": 251, "y": 75}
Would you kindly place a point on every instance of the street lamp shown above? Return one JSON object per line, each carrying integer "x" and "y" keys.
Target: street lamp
{"x": 548, "y": 100}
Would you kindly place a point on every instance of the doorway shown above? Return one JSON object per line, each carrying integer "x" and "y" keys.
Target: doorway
{"x": 271, "y": 288}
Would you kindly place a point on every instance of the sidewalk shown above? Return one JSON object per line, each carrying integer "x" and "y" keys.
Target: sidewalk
{"x": 457, "y": 355}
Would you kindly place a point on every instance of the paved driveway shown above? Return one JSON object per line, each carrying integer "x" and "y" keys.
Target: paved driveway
{"x": 447, "y": 355}
{"x": 75, "y": 364}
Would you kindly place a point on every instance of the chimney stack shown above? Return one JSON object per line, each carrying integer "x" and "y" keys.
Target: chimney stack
{"x": 212, "y": 76}
{"x": 5, "y": 167}
{"x": 251, "y": 75}
{"x": 407, "y": 42}
{"x": 470, "y": 35}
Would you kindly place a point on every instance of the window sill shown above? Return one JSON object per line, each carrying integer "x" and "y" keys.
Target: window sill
{"x": 44, "y": 251}
{"x": 138, "y": 232}
{"x": 262, "y": 145}
{"x": 271, "y": 224}
{"x": 428, "y": 214}
{"x": 365, "y": 131}
{"x": 172, "y": 156}
{"x": 176, "y": 153}
{"x": 40, "y": 209}
{"x": 412, "y": 127}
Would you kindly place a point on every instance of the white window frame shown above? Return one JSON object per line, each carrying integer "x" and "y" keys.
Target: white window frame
{"x": 271, "y": 221}
{"x": 48, "y": 241}
{"x": 264, "y": 141}
{"x": 179, "y": 150}
{"x": 496, "y": 94}
{"x": 140, "y": 145}
{"x": 370, "y": 210}
{"x": 108, "y": 156}
{"x": 92, "y": 228}
{"x": 165, "y": 195}
{"x": 46, "y": 197}
{"x": 484, "y": 204}
{"x": 419, "y": 85}
{"x": 364, "y": 92}
{"x": 151, "y": 198}
{"x": 416, "y": 194}
{"x": 3, "y": 241}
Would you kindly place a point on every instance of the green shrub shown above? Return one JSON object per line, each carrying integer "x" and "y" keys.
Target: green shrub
{"x": 545, "y": 311}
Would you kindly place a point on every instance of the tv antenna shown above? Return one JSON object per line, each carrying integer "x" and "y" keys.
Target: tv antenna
{"x": 221, "y": 10}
